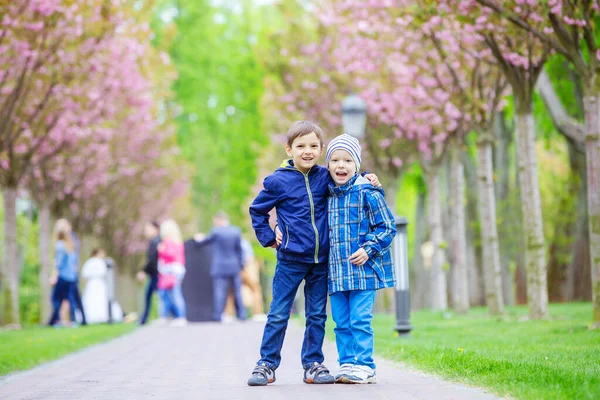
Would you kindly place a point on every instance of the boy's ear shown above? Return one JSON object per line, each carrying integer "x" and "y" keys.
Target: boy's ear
{"x": 288, "y": 150}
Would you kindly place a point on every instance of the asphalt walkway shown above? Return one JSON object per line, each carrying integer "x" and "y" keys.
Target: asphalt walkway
{"x": 208, "y": 361}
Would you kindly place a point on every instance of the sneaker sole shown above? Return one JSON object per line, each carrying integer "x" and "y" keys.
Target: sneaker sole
{"x": 362, "y": 382}
{"x": 312, "y": 382}
{"x": 260, "y": 384}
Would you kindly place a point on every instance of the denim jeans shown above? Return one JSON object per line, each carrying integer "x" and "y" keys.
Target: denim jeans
{"x": 221, "y": 285}
{"x": 287, "y": 278}
{"x": 352, "y": 313}
{"x": 150, "y": 289}
{"x": 62, "y": 290}
{"x": 172, "y": 302}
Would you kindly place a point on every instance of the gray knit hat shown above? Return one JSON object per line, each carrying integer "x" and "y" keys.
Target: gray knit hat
{"x": 345, "y": 142}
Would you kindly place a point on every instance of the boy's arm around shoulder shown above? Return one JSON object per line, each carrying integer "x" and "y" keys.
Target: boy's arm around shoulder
{"x": 381, "y": 220}
{"x": 266, "y": 200}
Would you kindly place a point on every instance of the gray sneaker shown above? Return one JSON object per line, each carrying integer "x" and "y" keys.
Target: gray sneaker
{"x": 362, "y": 374}
{"x": 318, "y": 374}
{"x": 343, "y": 373}
{"x": 261, "y": 375}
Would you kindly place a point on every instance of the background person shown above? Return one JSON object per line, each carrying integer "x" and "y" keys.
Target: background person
{"x": 150, "y": 271}
{"x": 65, "y": 275}
{"x": 95, "y": 293}
{"x": 171, "y": 270}
{"x": 226, "y": 265}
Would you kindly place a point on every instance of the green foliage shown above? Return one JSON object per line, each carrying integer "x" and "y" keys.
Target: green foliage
{"x": 511, "y": 355}
{"x": 24, "y": 349}
{"x": 218, "y": 92}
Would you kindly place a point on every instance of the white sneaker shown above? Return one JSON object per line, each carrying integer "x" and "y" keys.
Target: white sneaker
{"x": 343, "y": 372}
{"x": 177, "y": 322}
{"x": 259, "y": 317}
{"x": 226, "y": 319}
{"x": 362, "y": 374}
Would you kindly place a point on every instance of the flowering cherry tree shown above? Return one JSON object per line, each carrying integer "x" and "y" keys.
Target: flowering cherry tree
{"x": 569, "y": 28}
{"x": 43, "y": 46}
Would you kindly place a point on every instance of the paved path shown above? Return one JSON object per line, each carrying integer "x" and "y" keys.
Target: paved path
{"x": 207, "y": 361}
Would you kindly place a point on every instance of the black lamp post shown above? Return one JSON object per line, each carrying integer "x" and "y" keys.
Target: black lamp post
{"x": 354, "y": 120}
{"x": 354, "y": 115}
{"x": 400, "y": 259}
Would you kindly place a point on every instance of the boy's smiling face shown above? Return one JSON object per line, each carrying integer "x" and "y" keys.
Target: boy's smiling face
{"x": 305, "y": 151}
{"x": 341, "y": 167}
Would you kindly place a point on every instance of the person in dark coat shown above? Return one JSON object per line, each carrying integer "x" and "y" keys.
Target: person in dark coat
{"x": 226, "y": 265}
{"x": 150, "y": 270}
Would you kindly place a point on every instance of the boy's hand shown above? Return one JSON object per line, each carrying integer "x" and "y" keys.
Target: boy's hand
{"x": 359, "y": 257}
{"x": 141, "y": 275}
{"x": 373, "y": 179}
{"x": 278, "y": 236}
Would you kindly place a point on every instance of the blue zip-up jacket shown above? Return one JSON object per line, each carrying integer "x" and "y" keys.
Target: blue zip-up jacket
{"x": 63, "y": 259}
{"x": 359, "y": 217}
{"x": 300, "y": 200}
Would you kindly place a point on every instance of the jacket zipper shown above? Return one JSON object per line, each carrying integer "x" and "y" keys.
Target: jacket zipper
{"x": 312, "y": 216}
{"x": 287, "y": 234}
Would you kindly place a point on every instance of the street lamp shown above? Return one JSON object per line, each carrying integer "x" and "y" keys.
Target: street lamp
{"x": 400, "y": 259}
{"x": 354, "y": 115}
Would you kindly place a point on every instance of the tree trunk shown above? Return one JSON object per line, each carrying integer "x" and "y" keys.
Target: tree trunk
{"x": 571, "y": 215}
{"x": 503, "y": 137}
{"x": 592, "y": 149}
{"x": 474, "y": 250}
{"x": 535, "y": 257}
{"x": 45, "y": 261}
{"x": 489, "y": 229}
{"x": 10, "y": 269}
{"x": 439, "y": 294}
{"x": 418, "y": 293}
{"x": 460, "y": 276}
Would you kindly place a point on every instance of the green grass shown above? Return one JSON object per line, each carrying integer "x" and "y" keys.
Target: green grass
{"x": 557, "y": 358}
{"x": 29, "y": 347}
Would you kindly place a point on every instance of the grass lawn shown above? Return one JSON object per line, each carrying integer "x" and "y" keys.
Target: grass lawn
{"x": 554, "y": 359}
{"x": 29, "y": 347}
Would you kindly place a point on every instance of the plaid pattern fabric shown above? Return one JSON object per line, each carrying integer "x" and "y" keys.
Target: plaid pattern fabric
{"x": 359, "y": 217}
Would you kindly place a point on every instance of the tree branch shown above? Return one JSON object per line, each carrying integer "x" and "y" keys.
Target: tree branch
{"x": 565, "y": 124}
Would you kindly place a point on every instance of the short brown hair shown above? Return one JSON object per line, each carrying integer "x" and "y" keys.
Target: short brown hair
{"x": 303, "y": 128}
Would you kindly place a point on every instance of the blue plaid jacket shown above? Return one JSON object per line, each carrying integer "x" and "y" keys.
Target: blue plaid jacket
{"x": 359, "y": 217}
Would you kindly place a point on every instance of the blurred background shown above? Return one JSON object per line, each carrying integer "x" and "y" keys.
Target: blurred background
{"x": 115, "y": 113}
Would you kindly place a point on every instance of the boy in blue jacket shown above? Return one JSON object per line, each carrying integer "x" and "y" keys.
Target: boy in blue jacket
{"x": 298, "y": 192}
{"x": 361, "y": 229}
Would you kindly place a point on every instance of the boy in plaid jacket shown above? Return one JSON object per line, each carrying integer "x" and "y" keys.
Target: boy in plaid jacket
{"x": 361, "y": 229}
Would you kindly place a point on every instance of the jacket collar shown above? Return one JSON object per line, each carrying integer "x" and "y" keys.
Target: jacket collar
{"x": 288, "y": 165}
{"x": 346, "y": 187}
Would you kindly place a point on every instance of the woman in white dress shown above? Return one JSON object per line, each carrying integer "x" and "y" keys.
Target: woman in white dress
{"x": 95, "y": 294}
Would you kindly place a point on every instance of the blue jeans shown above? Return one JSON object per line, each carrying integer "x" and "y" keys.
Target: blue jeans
{"x": 288, "y": 276}
{"x": 62, "y": 290}
{"x": 150, "y": 289}
{"x": 352, "y": 312}
{"x": 172, "y": 302}
{"x": 221, "y": 285}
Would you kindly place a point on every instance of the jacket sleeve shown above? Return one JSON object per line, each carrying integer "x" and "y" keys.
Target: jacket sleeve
{"x": 381, "y": 221}
{"x": 266, "y": 200}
